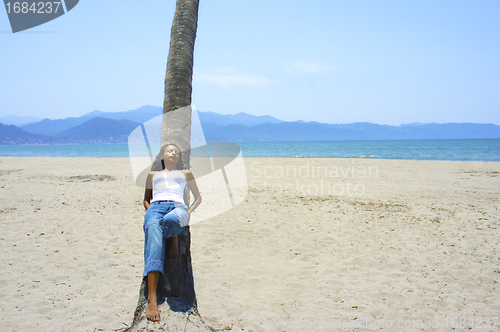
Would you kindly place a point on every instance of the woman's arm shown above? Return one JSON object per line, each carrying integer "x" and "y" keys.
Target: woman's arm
{"x": 194, "y": 189}
{"x": 148, "y": 193}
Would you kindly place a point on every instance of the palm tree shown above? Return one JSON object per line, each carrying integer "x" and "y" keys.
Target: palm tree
{"x": 177, "y": 285}
{"x": 176, "y": 126}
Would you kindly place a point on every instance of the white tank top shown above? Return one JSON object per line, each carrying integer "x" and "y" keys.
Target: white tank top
{"x": 169, "y": 186}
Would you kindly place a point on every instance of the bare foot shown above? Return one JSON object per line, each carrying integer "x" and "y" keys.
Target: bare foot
{"x": 152, "y": 312}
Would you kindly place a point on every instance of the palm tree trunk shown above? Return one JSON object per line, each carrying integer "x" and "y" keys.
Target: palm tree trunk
{"x": 176, "y": 287}
{"x": 176, "y": 126}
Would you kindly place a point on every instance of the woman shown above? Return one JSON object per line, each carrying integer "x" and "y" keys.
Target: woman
{"x": 166, "y": 217}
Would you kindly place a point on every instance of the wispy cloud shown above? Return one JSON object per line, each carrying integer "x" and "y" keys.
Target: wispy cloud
{"x": 312, "y": 66}
{"x": 230, "y": 78}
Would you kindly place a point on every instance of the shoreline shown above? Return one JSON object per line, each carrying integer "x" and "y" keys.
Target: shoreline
{"x": 487, "y": 150}
{"x": 280, "y": 158}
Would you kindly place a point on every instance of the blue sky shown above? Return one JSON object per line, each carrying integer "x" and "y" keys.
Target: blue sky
{"x": 387, "y": 62}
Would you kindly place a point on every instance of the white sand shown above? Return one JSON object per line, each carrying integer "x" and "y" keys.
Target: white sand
{"x": 369, "y": 242}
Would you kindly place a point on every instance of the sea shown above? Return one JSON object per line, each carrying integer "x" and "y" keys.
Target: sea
{"x": 432, "y": 149}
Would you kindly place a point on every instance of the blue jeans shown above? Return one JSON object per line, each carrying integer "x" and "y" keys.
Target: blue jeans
{"x": 162, "y": 220}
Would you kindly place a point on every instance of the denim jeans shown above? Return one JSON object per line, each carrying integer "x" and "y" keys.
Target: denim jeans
{"x": 162, "y": 220}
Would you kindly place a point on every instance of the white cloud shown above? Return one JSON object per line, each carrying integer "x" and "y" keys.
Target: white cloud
{"x": 312, "y": 66}
{"x": 230, "y": 78}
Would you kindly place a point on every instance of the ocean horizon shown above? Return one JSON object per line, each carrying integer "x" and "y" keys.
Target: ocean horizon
{"x": 412, "y": 149}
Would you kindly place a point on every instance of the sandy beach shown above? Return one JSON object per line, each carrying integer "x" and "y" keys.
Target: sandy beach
{"x": 316, "y": 244}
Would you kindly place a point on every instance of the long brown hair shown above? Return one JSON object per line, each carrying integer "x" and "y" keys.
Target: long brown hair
{"x": 162, "y": 152}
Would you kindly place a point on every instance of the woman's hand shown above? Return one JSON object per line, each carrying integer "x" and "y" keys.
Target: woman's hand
{"x": 148, "y": 193}
{"x": 191, "y": 182}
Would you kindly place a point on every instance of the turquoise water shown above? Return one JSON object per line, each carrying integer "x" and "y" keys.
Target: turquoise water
{"x": 453, "y": 149}
{"x": 66, "y": 150}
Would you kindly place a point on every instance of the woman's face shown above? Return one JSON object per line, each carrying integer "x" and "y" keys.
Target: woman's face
{"x": 171, "y": 154}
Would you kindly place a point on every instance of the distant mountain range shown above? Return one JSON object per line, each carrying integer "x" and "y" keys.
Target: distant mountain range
{"x": 18, "y": 120}
{"x": 106, "y": 127}
{"x": 10, "y": 134}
